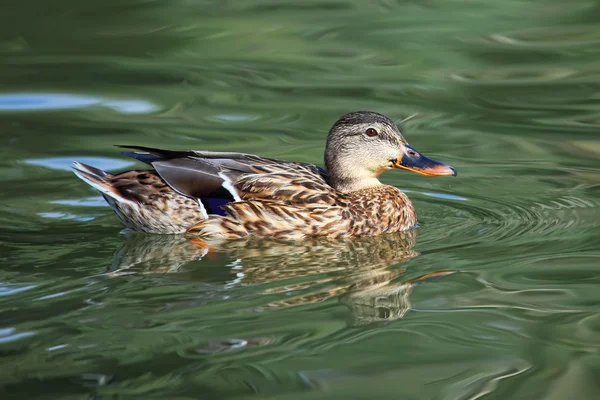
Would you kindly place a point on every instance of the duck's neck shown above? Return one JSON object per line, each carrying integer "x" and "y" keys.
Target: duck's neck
{"x": 345, "y": 176}
{"x": 353, "y": 185}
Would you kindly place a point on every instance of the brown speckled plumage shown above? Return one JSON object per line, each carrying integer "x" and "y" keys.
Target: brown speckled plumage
{"x": 371, "y": 211}
{"x": 151, "y": 205}
{"x": 235, "y": 195}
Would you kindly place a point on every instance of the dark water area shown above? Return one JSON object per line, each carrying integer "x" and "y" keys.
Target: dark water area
{"x": 494, "y": 296}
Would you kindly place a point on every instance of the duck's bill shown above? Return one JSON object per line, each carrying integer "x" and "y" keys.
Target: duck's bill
{"x": 414, "y": 161}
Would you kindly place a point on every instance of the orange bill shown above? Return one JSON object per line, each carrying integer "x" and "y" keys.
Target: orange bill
{"x": 414, "y": 161}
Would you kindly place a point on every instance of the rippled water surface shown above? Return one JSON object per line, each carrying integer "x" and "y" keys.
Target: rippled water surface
{"x": 495, "y": 296}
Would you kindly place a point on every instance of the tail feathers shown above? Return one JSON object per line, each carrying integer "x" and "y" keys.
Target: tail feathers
{"x": 98, "y": 179}
{"x": 89, "y": 170}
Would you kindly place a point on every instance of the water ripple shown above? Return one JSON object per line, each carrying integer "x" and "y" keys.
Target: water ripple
{"x": 58, "y": 101}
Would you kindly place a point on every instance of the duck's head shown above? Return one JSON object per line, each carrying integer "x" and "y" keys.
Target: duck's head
{"x": 363, "y": 144}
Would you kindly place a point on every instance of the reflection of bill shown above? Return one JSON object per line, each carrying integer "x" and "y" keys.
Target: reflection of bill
{"x": 361, "y": 271}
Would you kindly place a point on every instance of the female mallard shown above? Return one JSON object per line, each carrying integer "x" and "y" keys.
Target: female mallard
{"x": 232, "y": 195}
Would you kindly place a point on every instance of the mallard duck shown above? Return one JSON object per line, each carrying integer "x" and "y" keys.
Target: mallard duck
{"x": 233, "y": 195}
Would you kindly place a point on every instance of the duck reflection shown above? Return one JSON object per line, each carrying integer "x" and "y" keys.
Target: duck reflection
{"x": 362, "y": 272}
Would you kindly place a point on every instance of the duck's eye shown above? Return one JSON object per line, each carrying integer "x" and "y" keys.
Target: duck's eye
{"x": 371, "y": 132}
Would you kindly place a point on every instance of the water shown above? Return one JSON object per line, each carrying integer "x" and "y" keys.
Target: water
{"x": 494, "y": 296}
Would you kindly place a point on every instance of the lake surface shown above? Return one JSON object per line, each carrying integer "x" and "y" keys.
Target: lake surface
{"x": 495, "y": 296}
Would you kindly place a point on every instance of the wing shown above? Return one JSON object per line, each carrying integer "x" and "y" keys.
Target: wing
{"x": 215, "y": 177}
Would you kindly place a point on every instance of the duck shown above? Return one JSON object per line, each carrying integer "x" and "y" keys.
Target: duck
{"x": 227, "y": 195}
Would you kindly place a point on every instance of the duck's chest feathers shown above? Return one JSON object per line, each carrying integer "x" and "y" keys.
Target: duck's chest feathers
{"x": 382, "y": 209}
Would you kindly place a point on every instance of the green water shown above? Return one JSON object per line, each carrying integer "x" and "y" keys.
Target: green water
{"x": 495, "y": 296}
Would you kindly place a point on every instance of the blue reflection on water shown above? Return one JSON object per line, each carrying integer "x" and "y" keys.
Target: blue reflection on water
{"x": 58, "y": 101}
{"x": 445, "y": 196}
{"x": 8, "y": 335}
{"x": 61, "y": 215}
{"x": 439, "y": 195}
{"x": 7, "y": 289}
{"x": 89, "y": 202}
{"x": 66, "y": 163}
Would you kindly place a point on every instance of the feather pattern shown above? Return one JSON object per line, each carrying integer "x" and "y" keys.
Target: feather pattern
{"x": 368, "y": 212}
{"x": 199, "y": 174}
{"x": 142, "y": 200}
